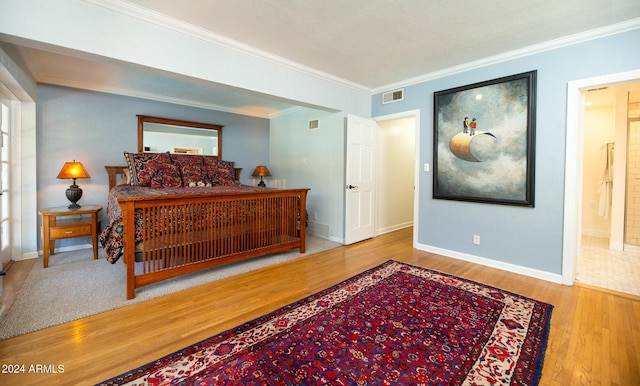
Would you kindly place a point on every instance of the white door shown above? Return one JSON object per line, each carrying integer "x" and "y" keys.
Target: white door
{"x": 360, "y": 179}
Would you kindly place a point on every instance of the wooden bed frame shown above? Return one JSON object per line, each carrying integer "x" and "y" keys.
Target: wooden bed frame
{"x": 183, "y": 234}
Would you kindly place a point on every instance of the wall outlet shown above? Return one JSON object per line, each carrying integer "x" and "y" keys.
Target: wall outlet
{"x": 476, "y": 239}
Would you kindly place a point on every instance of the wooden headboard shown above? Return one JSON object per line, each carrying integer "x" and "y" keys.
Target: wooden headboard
{"x": 115, "y": 173}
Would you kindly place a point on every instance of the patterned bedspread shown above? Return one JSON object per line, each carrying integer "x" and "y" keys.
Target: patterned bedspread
{"x": 111, "y": 237}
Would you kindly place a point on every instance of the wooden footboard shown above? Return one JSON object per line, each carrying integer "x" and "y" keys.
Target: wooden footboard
{"x": 184, "y": 234}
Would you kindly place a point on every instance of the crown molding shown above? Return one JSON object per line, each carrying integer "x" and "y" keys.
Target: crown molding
{"x": 176, "y": 25}
{"x": 144, "y": 14}
{"x": 290, "y": 110}
{"x": 519, "y": 53}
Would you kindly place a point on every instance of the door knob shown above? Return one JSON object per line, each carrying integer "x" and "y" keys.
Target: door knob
{"x": 352, "y": 187}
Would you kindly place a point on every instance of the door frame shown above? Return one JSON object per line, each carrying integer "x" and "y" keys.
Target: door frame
{"x": 5, "y": 189}
{"x": 416, "y": 169}
{"x": 574, "y": 164}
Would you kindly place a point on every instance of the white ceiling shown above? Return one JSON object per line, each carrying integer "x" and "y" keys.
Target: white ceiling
{"x": 373, "y": 45}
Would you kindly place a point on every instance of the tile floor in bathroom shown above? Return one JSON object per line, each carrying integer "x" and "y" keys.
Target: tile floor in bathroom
{"x": 613, "y": 270}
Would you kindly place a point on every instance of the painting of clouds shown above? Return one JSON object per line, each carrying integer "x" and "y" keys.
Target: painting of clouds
{"x": 484, "y": 141}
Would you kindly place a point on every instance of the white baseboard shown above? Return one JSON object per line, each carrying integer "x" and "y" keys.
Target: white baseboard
{"x": 322, "y": 231}
{"x": 542, "y": 275}
{"x": 317, "y": 229}
{"x": 632, "y": 248}
{"x": 27, "y": 256}
{"x": 78, "y": 247}
{"x": 35, "y": 255}
{"x": 596, "y": 233}
{"x": 337, "y": 240}
{"x": 394, "y": 228}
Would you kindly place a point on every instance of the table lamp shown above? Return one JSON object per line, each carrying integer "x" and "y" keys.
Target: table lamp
{"x": 261, "y": 171}
{"x": 73, "y": 170}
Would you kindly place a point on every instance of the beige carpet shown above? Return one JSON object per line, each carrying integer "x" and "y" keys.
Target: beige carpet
{"x": 75, "y": 285}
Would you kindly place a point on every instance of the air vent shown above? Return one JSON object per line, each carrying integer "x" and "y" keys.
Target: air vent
{"x": 314, "y": 124}
{"x": 393, "y": 96}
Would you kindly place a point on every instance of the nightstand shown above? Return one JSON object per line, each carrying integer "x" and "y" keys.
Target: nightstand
{"x": 56, "y": 229}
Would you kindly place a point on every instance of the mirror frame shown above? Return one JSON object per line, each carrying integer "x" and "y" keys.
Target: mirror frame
{"x": 176, "y": 122}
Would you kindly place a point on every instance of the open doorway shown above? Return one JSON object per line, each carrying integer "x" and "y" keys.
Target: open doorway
{"x": 596, "y": 183}
{"x": 610, "y": 238}
{"x": 396, "y": 169}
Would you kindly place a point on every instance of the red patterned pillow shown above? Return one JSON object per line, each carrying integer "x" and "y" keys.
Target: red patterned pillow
{"x": 154, "y": 170}
{"x": 219, "y": 172}
{"x": 190, "y": 167}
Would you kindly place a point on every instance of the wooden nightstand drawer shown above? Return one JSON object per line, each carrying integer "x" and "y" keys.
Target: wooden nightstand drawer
{"x": 70, "y": 231}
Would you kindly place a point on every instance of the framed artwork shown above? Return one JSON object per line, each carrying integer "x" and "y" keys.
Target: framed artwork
{"x": 484, "y": 141}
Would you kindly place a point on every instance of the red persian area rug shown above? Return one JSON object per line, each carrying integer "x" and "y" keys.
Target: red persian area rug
{"x": 395, "y": 324}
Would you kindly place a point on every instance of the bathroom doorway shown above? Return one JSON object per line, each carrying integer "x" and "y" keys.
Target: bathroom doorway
{"x": 610, "y": 238}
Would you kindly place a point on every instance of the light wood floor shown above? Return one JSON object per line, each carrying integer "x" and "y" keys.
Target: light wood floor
{"x": 594, "y": 339}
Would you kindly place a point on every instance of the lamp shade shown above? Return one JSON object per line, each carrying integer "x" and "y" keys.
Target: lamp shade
{"x": 261, "y": 171}
{"x": 73, "y": 170}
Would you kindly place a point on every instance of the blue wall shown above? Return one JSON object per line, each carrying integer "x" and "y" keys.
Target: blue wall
{"x": 303, "y": 158}
{"x": 96, "y": 128}
{"x": 527, "y": 237}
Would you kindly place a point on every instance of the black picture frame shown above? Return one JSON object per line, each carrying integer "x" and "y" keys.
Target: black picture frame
{"x": 493, "y": 161}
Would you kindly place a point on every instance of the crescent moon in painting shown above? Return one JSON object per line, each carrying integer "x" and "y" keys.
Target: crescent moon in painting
{"x": 460, "y": 145}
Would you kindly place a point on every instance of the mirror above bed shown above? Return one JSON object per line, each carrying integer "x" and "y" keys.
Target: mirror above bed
{"x": 159, "y": 135}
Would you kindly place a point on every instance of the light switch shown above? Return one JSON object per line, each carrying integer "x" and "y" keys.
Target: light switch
{"x": 426, "y": 167}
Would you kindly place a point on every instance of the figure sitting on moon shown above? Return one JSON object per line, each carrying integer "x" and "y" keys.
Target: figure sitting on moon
{"x": 460, "y": 144}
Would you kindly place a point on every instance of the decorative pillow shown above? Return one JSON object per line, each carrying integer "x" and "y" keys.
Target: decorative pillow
{"x": 219, "y": 172}
{"x": 190, "y": 167}
{"x": 155, "y": 170}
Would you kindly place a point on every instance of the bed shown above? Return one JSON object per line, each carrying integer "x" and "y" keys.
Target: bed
{"x": 177, "y": 214}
